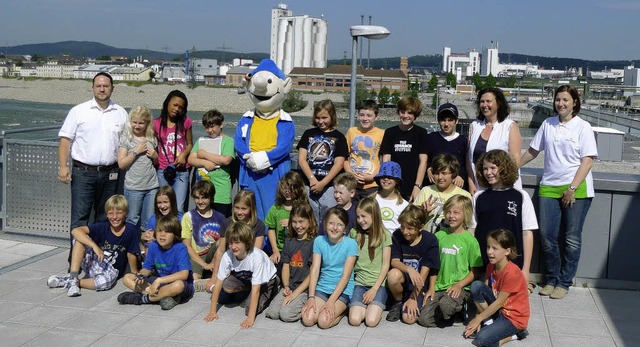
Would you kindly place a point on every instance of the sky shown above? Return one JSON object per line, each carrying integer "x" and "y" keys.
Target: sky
{"x": 586, "y": 29}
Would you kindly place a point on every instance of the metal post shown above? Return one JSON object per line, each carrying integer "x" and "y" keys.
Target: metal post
{"x": 369, "y": 49}
{"x": 362, "y": 23}
{"x": 352, "y": 93}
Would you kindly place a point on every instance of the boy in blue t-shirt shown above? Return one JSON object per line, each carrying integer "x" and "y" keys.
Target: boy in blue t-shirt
{"x": 166, "y": 275}
{"x": 414, "y": 257}
{"x": 101, "y": 250}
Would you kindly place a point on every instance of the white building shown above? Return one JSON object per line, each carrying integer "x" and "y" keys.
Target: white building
{"x": 90, "y": 71}
{"x": 632, "y": 76}
{"x": 462, "y": 65}
{"x": 297, "y": 41}
{"x": 490, "y": 61}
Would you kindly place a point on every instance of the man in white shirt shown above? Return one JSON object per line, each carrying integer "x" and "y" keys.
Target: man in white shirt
{"x": 90, "y": 133}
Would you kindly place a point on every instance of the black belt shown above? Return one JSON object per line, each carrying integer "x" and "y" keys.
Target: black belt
{"x": 99, "y": 168}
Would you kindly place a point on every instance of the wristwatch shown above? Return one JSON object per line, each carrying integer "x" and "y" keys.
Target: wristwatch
{"x": 572, "y": 188}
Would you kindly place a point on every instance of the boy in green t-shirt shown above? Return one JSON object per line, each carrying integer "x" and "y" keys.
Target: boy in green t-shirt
{"x": 213, "y": 156}
{"x": 459, "y": 260}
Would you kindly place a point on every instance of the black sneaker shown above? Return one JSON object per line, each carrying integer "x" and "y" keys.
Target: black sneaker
{"x": 169, "y": 302}
{"x": 130, "y": 298}
{"x": 395, "y": 312}
{"x": 522, "y": 334}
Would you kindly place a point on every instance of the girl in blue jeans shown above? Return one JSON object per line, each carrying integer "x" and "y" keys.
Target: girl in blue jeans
{"x": 503, "y": 299}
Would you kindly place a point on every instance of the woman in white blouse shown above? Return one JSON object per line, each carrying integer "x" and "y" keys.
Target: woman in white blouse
{"x": 492, "y": 130}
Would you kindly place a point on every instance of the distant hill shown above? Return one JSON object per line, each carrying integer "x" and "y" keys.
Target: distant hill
{"x": 89, "y": 49}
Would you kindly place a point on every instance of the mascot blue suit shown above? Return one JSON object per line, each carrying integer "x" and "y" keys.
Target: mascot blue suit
{"x": 264, "y": 137}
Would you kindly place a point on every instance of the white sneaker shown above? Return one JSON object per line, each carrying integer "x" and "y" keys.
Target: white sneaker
{"x": 74, "y": 288}
{"x": 58, "y": 281}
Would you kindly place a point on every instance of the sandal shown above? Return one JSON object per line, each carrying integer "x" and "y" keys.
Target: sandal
{"x": 531, "y": 286}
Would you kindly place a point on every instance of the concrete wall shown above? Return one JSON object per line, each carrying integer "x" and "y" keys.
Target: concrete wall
{"x": 610, "y": 235}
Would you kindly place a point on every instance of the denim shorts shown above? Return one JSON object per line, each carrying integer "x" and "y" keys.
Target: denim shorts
{"x": 324, "y": 296}
{"x": 358, "y": 293}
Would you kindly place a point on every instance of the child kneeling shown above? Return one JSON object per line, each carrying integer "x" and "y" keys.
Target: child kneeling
{"x": 245, "y": 273}
{"x": 166, "y": 275}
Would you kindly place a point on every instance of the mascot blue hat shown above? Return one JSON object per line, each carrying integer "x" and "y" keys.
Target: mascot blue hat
{"x": 268, "y": 65}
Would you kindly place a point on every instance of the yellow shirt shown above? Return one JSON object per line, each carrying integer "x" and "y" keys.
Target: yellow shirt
{"x": 264, "y": 134}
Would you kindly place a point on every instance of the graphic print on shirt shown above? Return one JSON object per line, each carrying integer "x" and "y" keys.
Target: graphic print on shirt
{"x": 362, "y": 147}
{"x": 454, "y": 250}
{"x": 111, "y": 252}
{"x": 414, "y": 263}
{"x": 512, "y": 208}
{"x": 403, "y": 146}
{"x": 169, "y": 145}
{"x": 296, "y": 260}
{"x": 321, "y": 154}
{"x": 386, "y": 213}
{"x": 209, "y": 233}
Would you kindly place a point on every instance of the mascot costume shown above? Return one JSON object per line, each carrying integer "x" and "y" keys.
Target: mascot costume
{"x": 264, "y": 137}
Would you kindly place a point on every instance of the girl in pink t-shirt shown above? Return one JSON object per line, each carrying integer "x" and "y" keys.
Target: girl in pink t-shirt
{"x": 175, "y": 140}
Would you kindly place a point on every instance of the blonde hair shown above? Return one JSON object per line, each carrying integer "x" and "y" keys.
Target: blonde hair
{"x": 248, "y": 198}
{"x": 142, "y": 113}
{"x": 376, "y": 232}
{"x": 303, "y": 211}
{"x": 465, "y": 203}
{"x": 116, "y": 202}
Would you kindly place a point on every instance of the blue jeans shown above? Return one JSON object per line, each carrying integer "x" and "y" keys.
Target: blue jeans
{"x": 320, "y": 203}
{"x": 141, "y": 206}
{"x": 180, "y": 186}
{"x": 561, "y": 231}
{"x": 490, "y": 335}
{"x": 90, "y": 190}
{"x": 379, "y": 300}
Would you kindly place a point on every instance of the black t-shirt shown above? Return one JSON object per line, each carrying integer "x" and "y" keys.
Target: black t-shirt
{"x": 425, "y": 253}
{"x": 322, "y": 149}
{"x": 437, "y": 144}
{"x": 499, "y": 209}
{"x": 405, "y": 148}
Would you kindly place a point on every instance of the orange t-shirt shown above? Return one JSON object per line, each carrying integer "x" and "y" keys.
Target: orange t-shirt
{"x": 511, "y": 280}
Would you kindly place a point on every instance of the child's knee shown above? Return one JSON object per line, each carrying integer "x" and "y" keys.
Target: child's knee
{"x": 395, "y": 276}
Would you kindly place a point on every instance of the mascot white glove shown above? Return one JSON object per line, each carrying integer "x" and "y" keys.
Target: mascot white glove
{"x": 257, "y": 161}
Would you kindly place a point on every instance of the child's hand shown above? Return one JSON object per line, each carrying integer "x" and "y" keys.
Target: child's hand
{"x": 329, "y": 309}
{"x": 99, "y": 253}
{"x": 211, "y": 316}
{"x": 247, "y": 323}
{"x": 432, "y": 179}
{"x": 430, "y": 204}
{"x": 154, "y": 288}
{"x": 181, "y": 160}
{"x": 275, "y": 257}
{"x": 208, "y": 266}
{"x": 289, "y": 298}
{"x": 309, "y": 306}
{"x": 411, "y": 306}
{"x": 284, "y": 223}
{"x": 316, "y": 187}
{"x": 210, "y": 166}
{"x": 428, "y": 296}
{"x": 201, "y": 154}
{"x": 454, "y": 291}
{"x": 140, "y": 148}
{"x": 286, "y": 291}
{"x": 147, "y": 236}
{"x": 369, "y": 295}
{"x": 416, "y": 280}
{"x": 472, "y": 327}
{"x": 414, "y": 194}
{"x": 458, "y": 181}
{"x": 359, "y": 178}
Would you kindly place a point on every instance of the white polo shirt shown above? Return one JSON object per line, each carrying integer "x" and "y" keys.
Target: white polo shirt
{"x": 565, "y": 145}
{"x": 94, "y": 133}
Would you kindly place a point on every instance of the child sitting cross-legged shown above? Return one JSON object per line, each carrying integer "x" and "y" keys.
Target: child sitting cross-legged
{"x": 459, "y": 261}
{"x": 166, "y": 275}
{"x": 245, "y": 273}
{"x": 102, "y": 250}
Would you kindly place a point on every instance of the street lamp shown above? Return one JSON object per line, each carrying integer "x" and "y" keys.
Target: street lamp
{"x": 372, "y": 32}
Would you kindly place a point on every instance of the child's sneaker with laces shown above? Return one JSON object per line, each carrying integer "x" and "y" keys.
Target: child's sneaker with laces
{"x": 169, "y": 302}
{"x": 395, "y": 312}
{"x": 58, "y": 281}
{"x": 130, "y": 298}
{"x": 74, "y": 287}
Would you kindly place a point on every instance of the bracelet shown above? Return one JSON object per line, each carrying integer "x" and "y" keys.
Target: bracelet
{"x": 286, "y": 285}
{"x": 135, "y": 154}
{"x": 417, "y": 185}
{"x": 311, "y": 297}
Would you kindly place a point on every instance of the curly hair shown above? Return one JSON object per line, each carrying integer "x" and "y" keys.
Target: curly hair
{"x": 503, "y": 105}
{"x": 507, "y": 168}
{"x": 291, "y": 181}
